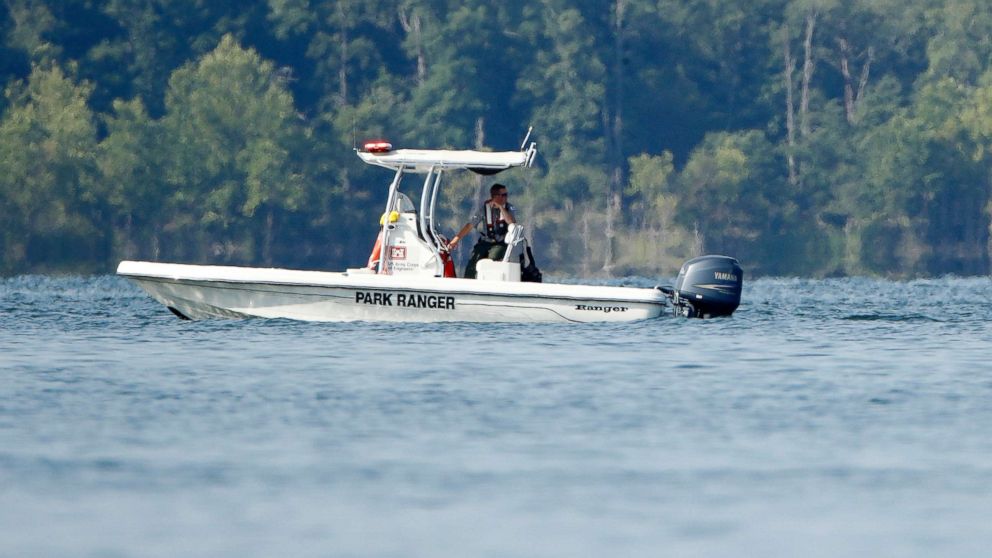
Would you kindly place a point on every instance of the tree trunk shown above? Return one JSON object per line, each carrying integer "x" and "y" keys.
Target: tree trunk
{"x": 586, "y": 245}
{"x": 845, "y": 70}
{"x": 863, "y": 81}
{"x": 411, "y": 23}
{"x": 480, "y": 142}
{"x": 698, "y": 243}
{"x": 790, "y": 108}
{"x": 614, "y": 199}
{"x": 808, "y": 67}
{"x": 343, "y": 60}
{"x": 267, "y": 242}
{"x": 130, "y": 251}
{"x": 986, "y": 234}
{"x": 851, "y": 97}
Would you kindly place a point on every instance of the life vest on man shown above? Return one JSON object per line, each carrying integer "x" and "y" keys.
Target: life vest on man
{"x": 496, "y": 227}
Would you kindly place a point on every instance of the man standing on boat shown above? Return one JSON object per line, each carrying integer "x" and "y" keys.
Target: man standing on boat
{"x": 492, "y": 221}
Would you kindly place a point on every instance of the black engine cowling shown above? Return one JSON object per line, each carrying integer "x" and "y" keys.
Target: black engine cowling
{"x": 708, "y": 287}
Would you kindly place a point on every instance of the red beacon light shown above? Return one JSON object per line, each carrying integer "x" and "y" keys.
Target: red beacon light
{"x": 378, "y": 146}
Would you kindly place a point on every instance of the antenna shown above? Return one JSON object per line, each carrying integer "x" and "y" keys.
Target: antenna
{"x": 527, "y": 137}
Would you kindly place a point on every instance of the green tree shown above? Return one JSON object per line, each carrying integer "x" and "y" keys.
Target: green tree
{"x": 733, "y": 197}
{"x": 959, "y": 45}
{"x": 565, "y": 86}
{"x": 349, "y": 50}
{"x": 230, "y": 128}
{"x": 47, "y": 199}
{"x": 144, "y": 41}
{"x": 654, "y": 240}
{"x": 29, "y": 27}
{"x": 920, "y": 208}
{"x": 130, "y": 159}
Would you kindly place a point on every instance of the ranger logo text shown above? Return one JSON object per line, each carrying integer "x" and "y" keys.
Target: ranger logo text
{"x": 604, "y": 309}
{"x": 406, "y": 300}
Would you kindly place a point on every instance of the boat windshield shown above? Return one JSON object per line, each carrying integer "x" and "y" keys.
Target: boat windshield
{"x": 404, "y": 204}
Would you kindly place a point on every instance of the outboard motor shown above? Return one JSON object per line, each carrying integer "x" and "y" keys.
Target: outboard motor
{"x": 707, "y": 287}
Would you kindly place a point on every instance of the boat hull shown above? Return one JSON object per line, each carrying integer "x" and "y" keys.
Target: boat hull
{"x": 199, "y": 292}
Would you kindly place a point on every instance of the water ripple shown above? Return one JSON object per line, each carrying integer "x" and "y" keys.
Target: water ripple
{"x": 839, "y": 417}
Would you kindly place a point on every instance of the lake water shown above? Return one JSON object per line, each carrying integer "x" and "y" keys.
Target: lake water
{"x": 846, "y": 417}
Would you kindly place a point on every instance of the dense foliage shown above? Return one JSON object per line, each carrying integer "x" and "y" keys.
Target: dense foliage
{"x": 805, "y": 137}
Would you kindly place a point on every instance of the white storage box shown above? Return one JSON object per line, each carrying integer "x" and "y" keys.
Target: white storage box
{"x": 488, "y": 270}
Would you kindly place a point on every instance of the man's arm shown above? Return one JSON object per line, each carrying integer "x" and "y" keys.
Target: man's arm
{"x": 465, "y": 230}
{"x": 506, "y": 213}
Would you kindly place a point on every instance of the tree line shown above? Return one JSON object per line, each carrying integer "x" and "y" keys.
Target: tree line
{"x": 805, "y": 137}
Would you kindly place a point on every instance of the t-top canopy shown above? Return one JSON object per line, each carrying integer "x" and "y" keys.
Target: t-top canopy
{"x": 423, "y": 160}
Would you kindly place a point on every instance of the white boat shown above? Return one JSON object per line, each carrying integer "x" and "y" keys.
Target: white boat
{"x": 408, "y": 282}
